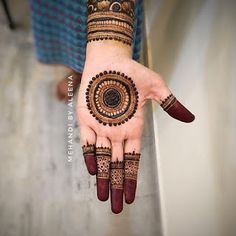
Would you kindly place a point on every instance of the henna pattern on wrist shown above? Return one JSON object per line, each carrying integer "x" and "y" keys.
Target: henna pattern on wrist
{"x": 117, "y": 174}
{"x": 110, "y": 20}
{"x": 131, "y": 165}
{"x": 103, "y": 155}
{"x": 112, "y": 98}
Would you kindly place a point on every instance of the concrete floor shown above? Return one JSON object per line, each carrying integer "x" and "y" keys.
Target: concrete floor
{"x": 41, "y": 193}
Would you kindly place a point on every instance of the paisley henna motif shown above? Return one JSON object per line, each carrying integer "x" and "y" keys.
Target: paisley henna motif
{"x": 112, "y": 98}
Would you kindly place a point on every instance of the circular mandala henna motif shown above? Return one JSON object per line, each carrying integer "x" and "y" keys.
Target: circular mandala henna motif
{"x": 112, "y": 98}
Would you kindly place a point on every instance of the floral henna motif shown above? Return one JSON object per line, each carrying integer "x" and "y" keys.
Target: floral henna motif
{"x": 103, "y": 162}
{"x": 111, "y": 20}
{"x": 117, "y": 174}
{"x": 112, "y": 98}
{"x": 131, "y": 165}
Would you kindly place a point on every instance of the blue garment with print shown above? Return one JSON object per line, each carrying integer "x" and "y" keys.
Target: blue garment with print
{"x": 59, "y": 29}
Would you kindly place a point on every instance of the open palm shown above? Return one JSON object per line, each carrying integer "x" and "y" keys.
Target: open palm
{"x": 110, "y": 111}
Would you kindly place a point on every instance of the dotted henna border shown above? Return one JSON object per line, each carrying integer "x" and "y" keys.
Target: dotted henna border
{"x": 116, "y": 73}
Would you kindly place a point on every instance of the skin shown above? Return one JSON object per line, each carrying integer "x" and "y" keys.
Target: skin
{"x": 112, "y": 55}
{"x": 102, "y": 56}
{"x": 106, "y": 55}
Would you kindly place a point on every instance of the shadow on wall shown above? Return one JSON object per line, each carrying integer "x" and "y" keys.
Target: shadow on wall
{"x": 221, "y": 83}
{"x": 193, "y": 47}
{"x": 169, "y": 26}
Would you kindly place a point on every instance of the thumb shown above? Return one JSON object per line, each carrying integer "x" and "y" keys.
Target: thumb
{"x": 162, "y": 95}
{"x": 176, "y": 110}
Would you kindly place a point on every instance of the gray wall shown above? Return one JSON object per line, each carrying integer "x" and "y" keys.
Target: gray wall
{"x": 192, "y": 44}
{"x": 41, "y": 194}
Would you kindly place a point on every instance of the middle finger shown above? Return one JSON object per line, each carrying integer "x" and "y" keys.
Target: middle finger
{"x": 117, "y": 178}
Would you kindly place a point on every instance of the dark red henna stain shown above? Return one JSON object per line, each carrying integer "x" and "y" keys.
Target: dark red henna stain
{"x": 90, "y": 158}
{"x": 176, "y": 110}
{"x": 116, "y": 200}
{"x": 130, "y": 190}
{"x": 181, "y": 113}
{"x": 90, "y": 161}
{"x": 117, "y": 179}
{"x": 102, "y": 189}
{"x": 131, "y": 173}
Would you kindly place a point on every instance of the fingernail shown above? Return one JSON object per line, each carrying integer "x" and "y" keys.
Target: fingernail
{"x": 90, "y": 158}
{"x": 176, "y": 110}
{"x": 103, "y": 155}
{"x": 117, "y": 178}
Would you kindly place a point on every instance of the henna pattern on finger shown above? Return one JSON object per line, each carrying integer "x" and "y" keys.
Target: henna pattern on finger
{"x": 110, "y": 20}
{"x": 131, "y": 173}
{"x": 117, "y": 180}
{"x": 131, "y": 165}
{"x": 90, "y": 158}
{"x": 117, "y": 174}
{"x": 88, "y": 149}
{"x": 103, "y": 155}
{"x": 168, "y": 102}
{"x": 103, "y": 165}
{"x": 112, "y": 98}
{"x": 176, "y": 110}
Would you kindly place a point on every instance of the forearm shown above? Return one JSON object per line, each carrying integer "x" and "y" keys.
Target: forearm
{"x": 110, "y": 28}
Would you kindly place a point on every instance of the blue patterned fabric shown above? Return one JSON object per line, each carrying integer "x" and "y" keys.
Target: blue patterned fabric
{"x": 59, "y": 29}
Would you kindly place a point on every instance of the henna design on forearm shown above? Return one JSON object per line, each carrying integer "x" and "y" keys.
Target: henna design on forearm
{"x": 112, "y": 98}
{"x": 110, "y": 20}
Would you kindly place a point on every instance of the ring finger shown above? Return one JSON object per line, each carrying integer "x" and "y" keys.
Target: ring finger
{"x": 103, "y": 154}
{"x": 131, "y": 162}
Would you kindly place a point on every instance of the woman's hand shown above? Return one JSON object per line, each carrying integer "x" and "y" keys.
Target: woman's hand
{"x": 112, "y": 95}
